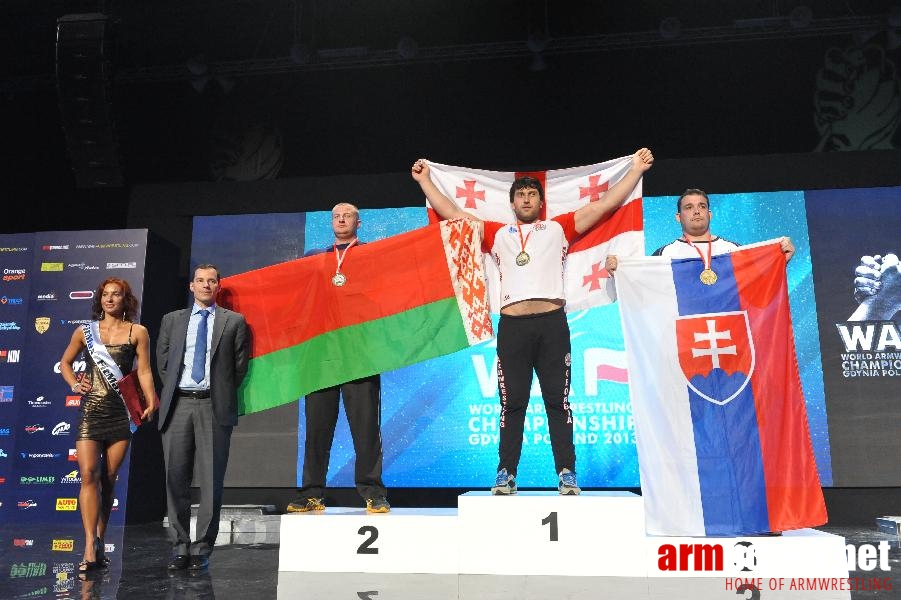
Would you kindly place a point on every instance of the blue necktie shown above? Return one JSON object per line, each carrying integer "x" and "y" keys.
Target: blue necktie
{"x": 199, "y": 367}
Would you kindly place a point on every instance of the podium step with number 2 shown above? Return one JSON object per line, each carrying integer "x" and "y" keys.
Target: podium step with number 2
{"x": 406, "y": 540}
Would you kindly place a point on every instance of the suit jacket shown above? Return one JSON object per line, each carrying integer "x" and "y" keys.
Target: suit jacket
{"x": 229, "y": 352}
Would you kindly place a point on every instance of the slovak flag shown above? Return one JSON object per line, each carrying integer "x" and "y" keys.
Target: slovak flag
{"x": 486, "y": 195}
{"x": 723, "y": 442}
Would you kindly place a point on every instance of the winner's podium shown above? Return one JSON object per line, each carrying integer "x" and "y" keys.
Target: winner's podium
{"x": 534, "y": 533}
{"x": 544, "y": 533}
{"x": 595, "y": 534}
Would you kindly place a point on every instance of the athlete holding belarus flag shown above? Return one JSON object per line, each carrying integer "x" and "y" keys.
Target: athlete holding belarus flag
{"x": 533, "y": 333}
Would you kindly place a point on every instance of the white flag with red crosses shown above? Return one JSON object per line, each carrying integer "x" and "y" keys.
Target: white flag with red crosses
{"x": 486, "y": 195}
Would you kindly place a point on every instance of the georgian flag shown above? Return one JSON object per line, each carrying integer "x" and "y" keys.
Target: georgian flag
{"x": 486, "y": 195}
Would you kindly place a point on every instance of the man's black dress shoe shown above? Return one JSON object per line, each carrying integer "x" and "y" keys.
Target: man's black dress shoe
{"x": 179, "y": 562}
{"x": 198, "y": 563}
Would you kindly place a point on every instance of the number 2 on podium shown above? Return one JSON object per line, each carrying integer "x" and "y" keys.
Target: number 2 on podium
{"x": 366, "y": 547}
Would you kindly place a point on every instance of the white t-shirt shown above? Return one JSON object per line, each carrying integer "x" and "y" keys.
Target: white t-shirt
{"x": 679, "y": 248}
{"x": 546, "y": 243}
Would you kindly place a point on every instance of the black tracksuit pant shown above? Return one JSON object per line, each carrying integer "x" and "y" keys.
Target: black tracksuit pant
{"x": 362, "y": 405}
{"x": 539, "y": 342}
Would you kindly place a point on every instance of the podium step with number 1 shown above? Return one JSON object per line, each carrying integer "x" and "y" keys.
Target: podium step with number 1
{"x": 544, "y": 533}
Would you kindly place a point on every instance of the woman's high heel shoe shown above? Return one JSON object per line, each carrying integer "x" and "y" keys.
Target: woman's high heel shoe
{"x": 100, "y": 552}
{"x": 86, "y": 566}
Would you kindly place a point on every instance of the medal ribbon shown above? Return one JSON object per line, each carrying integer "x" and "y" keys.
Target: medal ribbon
{"x": 339, "y": 256}
{"x": 701, "y": 254}
{"x": 523, "y": 242}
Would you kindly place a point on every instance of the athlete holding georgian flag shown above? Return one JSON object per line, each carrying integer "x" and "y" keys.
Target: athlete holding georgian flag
{"x": 533, "y": 333}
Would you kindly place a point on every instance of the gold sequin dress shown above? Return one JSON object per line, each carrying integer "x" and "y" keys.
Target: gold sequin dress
{"x": 103, "y": 414}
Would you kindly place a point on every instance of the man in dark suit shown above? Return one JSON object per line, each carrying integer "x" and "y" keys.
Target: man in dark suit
{"x": 201, "y": 356}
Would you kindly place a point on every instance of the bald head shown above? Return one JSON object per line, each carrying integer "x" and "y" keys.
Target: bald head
{"x": 345, "y": 221}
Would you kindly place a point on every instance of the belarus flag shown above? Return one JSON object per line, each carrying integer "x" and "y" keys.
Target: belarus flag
{"x": 408, "y": 298}
{"x": 486, "y": 195}
{"x": 723, "y": 443}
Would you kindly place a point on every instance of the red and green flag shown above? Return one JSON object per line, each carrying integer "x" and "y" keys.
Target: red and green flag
{"x": 407, "y": 298}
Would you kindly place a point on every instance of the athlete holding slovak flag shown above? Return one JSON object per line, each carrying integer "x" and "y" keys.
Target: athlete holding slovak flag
{"x": 723, "y": 441}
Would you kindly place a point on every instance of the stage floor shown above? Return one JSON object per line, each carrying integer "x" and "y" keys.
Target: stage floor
{"x": 240, "y": 571}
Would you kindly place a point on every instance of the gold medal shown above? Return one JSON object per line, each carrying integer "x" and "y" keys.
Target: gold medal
{"x": 708, "y": 277}
{"x": 339, "y": 279}
{"x": 522, "y": 259}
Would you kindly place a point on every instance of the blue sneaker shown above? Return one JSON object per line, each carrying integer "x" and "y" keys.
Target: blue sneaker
{"x": 567, "y": 485}
{"x": 504, "y": 484}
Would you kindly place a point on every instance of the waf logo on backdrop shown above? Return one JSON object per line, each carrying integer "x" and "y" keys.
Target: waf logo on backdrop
{"x": 42, "y": 324}
{"x": 81, "y": 295}
{"x": 73, "y": 401}
{"x": 67, "y": 504}
{"x": 716, "y": 353}
{"x": 872, "y": 349}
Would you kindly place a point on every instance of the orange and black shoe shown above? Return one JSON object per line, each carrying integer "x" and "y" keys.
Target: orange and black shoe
{"x": 377, "y": 505}
{"x": 306, "y": 505}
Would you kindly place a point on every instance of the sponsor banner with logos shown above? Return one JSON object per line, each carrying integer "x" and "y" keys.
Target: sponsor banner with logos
{"x": 47, "y": 292}
{"x": 43, "y": 561}
{"x": 16, "y": 264}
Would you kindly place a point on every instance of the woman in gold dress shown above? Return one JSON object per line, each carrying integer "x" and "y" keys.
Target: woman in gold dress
{"x": 103, "y": 428}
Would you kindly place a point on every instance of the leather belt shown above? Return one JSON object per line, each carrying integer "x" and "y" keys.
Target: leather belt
{"x": 193, "y": 393}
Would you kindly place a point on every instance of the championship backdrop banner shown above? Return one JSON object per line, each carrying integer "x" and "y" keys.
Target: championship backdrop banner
{"x": 48, "y": 285}
{"x": 859, "y": 333}
{"x": 440, "y": 418}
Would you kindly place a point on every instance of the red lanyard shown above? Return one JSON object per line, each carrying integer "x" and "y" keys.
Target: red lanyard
{"x": 339, "y": 256}
{"x": 698, "y": 250}
{"x": 523, "y": 242}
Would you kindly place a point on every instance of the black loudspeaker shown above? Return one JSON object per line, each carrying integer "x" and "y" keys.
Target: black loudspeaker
{"x": 83, "y": 79}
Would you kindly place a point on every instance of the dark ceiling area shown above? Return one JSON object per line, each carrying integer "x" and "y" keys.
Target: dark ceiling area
{"x": 256, "y": 89}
